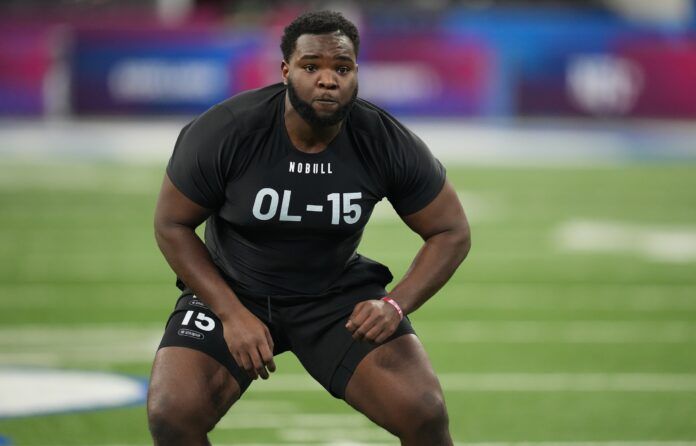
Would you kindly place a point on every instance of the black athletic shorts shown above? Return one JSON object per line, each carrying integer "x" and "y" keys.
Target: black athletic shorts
{"x": 313, "y": 328}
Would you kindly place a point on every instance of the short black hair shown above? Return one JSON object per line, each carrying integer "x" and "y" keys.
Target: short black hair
{"x": 318, "y": 22}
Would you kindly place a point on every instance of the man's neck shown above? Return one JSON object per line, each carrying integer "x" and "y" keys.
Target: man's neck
{"x": 305, "y": 137}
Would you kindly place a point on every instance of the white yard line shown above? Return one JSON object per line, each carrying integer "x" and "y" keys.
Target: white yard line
{"x": 671, "y": 244}
{"x": 554, "y": 296}
{"x": 520, "y": 382}
{"x": 91, "y": 344}
{"x": 37, "y": 345}
{"x": 478, "y": 208}
{"x": 243, "y": 420}
{"x": 563, "y": 332}
{"x": 342, "y": 434}
{"x": 569, "y": 382}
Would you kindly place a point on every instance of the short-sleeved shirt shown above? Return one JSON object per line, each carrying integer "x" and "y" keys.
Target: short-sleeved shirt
{"x": 286, "y": 222}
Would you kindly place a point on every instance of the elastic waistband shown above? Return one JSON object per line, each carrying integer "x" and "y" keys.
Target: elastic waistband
{"x": 368, "y": 289}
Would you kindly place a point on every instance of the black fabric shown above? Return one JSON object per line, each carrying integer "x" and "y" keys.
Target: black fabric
{"x": 312, "y": 327}
{"x": 354, "y": 353}
{"x": 286, "y": 222}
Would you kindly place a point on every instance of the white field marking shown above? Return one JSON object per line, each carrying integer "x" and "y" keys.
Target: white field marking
{"x": 569, "y": 382}
{"x": 478, "y": 208}
{"x": 676, "y": 244}
{"x": 68, "y": 176}
{"x": 115, "y": 344}
{"x": 34, "y": 391}
{"x": 77, "y": 357}
{"x": 92, "y": 334}
{"x": 521, "y": 382}
{"x": 341, "y": 434}
{"x": 266, "y": 406}
{"x": 245, "y": 420}
{"x": 57, "y": 360}
{"x": 383, "y": 212}
{"x": 624, "y": 297}
{"x": 37, "y": 295}
{"x": 571, "y": 332}
{"x": 92, "y": 344}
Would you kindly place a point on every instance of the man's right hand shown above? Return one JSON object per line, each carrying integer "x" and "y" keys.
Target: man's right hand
{"x": 176, "y": 220}
{"x": 250, "y": 343}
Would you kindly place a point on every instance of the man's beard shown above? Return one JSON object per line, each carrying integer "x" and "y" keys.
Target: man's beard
{"x": 307, "y": 112}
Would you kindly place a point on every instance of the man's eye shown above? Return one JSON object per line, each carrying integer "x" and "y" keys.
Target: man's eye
{"x": 343, "y": 70}
{"x": 310, "y": 68}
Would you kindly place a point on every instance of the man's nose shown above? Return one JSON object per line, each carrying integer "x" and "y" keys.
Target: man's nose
{"x": 327, "y": 79}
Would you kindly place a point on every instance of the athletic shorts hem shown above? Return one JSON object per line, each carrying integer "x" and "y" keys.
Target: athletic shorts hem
{"x": 243, "y": 380}
{"x": 355, "y": 353}
{"x": 181, "y": 331}
{"x": 314, "y": 330}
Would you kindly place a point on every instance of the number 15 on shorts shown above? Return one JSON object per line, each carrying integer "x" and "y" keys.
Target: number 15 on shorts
{"x": 202, "y": 321}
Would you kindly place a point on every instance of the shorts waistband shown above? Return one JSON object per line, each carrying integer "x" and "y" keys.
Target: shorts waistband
{"x": 291, "y": 299}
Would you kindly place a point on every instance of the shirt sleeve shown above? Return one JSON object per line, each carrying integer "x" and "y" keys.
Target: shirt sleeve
{"x": 416, "y": 175}
{"x": 202, "y": 158}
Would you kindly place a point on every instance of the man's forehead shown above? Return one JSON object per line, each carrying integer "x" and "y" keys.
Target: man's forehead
{"x": 331, "y": 44}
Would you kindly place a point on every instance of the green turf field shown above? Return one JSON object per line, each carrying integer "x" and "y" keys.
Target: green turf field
{"x": 572, "y": 320}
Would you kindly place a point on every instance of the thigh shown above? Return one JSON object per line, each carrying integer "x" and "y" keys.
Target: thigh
{"x": 194, "y": 359}
{"x": 194, "y": 326}
{"x": 194, "y": 378}
{"x": 395, "y": 382}
{"x": 190, "y": 385}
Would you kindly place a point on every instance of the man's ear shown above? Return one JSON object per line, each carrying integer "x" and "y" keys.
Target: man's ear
{"x": 284, "y": 71}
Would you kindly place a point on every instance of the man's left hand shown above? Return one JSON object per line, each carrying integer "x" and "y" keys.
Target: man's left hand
{"x": 373, "y": 321}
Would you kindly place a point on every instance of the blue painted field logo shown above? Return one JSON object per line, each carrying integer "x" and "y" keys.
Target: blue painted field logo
{"x": 27, "y": 391}
{"x": 191, "y": 333}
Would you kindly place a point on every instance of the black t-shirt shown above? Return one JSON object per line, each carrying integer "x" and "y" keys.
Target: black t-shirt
{"x": 287, "y": 222}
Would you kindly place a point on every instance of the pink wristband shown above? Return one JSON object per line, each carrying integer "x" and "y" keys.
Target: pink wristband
{"x": 394, "y": 304}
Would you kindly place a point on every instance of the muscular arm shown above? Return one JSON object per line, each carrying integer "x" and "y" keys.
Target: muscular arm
{"x": 176, "y": 218}
{"x": 445, "y": 231}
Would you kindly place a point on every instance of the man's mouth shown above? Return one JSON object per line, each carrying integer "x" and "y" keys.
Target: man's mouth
{"x": 326, "y": 100}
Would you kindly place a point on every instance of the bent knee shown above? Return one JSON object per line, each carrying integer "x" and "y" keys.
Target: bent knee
{"x": 164, "y": 428}
{"x": 427, "y": 416}
{"x": 174, "y": 416}
{"x": 432, "y": 415}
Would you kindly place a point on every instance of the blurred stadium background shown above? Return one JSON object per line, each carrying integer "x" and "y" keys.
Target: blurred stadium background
{"x": 569, "y": 128}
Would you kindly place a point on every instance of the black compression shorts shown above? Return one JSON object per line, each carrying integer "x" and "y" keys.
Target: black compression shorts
{"x": 313, "y": 328}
